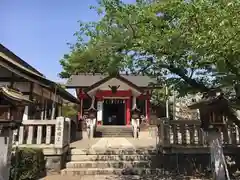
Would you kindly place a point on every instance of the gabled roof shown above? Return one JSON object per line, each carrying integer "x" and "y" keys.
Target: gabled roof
{"x": 88, "y": 80}
{"x": 121, "y": 78}
{"x": 14, "y": 95}
{"x": 18, "y": 60}
{"x": 15, "y": 64}
{"x": 228, "y": 106}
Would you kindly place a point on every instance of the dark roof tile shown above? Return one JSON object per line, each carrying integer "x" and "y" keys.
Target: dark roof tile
{"x": 86, "y": 80}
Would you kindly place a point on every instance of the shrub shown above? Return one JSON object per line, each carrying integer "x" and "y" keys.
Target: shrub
{"x": 27, "y": 164}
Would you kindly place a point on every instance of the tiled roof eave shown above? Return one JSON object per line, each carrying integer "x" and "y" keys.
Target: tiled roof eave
{"x": 14, "y": 95}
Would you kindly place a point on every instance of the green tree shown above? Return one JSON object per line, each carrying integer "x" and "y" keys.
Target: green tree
{"x": 191, "y": 44}
{"x": 69, "y": 110}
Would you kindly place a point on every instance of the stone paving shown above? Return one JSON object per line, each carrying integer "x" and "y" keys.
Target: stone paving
{"x": 106, "y": 143}
{"x": 114, "y": 143}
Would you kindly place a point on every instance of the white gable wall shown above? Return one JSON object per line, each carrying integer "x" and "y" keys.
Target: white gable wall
{"x": 114, "y": 82}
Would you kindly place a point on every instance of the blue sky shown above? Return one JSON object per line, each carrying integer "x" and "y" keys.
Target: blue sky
{"x": 38, "y": 30}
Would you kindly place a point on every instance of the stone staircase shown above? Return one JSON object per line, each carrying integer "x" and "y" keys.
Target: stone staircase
{"x": 114, "y": 131}
{"x": 127, "y": 164}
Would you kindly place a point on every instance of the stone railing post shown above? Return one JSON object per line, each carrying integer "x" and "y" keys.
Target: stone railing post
{"x": 59, "y": 132}
{"x": 68, "y": 120}
{"x": 161, "y": 132}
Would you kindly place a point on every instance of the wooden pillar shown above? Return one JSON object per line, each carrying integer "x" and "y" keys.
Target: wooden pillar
{"x": 80, "y": 114}
{"x": 9, "y": 114}
{"x": 25, "y": 114}
{"x": 59, "y": 106}
{"x": 42, "y": 104}
{"x": 128, "y": 111}
{"x": 31, "y": 115}
{"x": 45, "y": 109}
{"x": 147, "y": 106}
{"x": 80, "y": 95}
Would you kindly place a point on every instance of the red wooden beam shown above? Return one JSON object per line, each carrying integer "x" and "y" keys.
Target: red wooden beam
{"x": 109, "y": 93}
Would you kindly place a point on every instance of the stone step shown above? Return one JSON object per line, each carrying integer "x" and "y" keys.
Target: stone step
{"x": 114, "y": 135}
{"x": 115, "y": 127}
{"x": 113, "y": 131}
{"x": 110, "y": 171}
{"x": 109, "y": 164}
{"x": 104, "y": 177}
{"x": 107, "y": 134}
{"x": 114, "y": 151}
{"x": 106, "y": 129}
{"x": 119, "y": 177}
{"x": 78, "y": 157}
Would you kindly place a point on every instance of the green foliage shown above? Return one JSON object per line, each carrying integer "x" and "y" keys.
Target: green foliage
{"x": 27, "y": 164}
{"x": 69, "y": 110}
{"x": 196, "y": 43}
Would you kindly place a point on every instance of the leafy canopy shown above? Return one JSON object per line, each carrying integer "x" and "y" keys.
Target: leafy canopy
{"x": 191, "y": 45}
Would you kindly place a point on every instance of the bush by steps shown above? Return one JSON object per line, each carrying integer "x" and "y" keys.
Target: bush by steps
{"x": 27, "y": 164}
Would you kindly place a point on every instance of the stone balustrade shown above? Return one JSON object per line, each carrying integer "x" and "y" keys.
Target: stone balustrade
{"x": 43, "y": 133}
{"x": 188, "y": 134}
{"x": 52, "y": 136}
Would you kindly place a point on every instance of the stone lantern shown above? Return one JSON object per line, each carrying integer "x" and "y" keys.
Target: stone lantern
{"x": 135, "y": 121}
{"x": 135, "y": 113}
{"x": 91, "y": 122}
{"x": 6, "y": 135}
{"x": 92, "y": 113}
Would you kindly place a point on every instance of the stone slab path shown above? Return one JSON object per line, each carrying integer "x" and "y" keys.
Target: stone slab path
{"x": 114, "y": 143}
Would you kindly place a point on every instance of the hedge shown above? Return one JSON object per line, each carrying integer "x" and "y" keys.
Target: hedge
{"x": 27, "y": 164}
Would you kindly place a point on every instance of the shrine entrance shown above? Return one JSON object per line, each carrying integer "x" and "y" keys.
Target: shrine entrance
{"x": 114, "y": 112}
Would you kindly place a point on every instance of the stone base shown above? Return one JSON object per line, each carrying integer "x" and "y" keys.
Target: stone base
{"x": 150, "y": 132}
{"x": 54, "y": 163}
{"x": 84, "y": 135}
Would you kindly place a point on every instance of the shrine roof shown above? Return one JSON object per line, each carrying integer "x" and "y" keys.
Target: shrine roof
{"x": 18, "y": 60}
{"x": 220, "y": 104}
{"x": 87, "y": 80}
{"x": 14, "y": 95}
{"x": 18, "y": 66}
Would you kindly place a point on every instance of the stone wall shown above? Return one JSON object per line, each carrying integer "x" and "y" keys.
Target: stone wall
{"x": 189, "y": 166}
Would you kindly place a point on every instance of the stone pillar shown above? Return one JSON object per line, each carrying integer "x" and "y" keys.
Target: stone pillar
{"x": 5, "y": 153}
{"x": 220, "y": 171}
{"x": 59, "y": 132}
{"x": 177, "y": 111}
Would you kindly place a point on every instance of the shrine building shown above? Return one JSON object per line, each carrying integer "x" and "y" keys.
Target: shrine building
{"x": 114, "y": 96}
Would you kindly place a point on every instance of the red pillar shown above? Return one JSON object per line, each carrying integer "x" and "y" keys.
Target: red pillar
{"x": 128, "y": 111}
